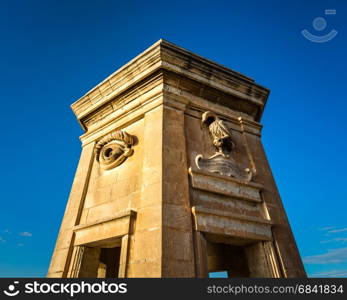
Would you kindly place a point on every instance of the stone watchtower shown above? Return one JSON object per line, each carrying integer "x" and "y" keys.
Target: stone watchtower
{"x": 173, "y": 180}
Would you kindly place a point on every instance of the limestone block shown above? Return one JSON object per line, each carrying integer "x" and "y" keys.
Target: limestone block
{"x": 148, "y": 217}
{"x": 147, "y": 244}
{"x": 176, "y": 217}
{"x": 173, "y": 240}
{"x": 58, "y": 261}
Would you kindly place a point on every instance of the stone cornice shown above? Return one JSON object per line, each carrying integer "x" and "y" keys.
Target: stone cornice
{"x": 166, "y": 56}
{"x": 222, "y": 213}
{"x": 230, "y": 224}
{"x": 122, "y": 214}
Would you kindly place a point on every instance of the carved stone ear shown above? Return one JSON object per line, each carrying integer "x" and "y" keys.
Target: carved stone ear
{"x": 113, "y": 149}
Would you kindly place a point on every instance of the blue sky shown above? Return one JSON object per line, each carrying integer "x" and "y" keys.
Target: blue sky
{"x": 52, "y": 52}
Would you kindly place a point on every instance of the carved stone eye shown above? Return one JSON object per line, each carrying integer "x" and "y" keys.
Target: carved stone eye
{"x": 113, "y": 149}
{"x": 108, "y": 152}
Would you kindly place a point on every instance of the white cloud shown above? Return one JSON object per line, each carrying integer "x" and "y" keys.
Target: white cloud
{"x": 343, "y": 240}
{"x": 326, "y": 241}
{"x": 332, "y": 229}
{"x": 333, "y": 273}
{"x": 340, "y": 239}
{"x": 333, "y": 256}
{"x": 338, "y": 230}
{"x": 26, "y": 233}
{"x": 327, "y": 228}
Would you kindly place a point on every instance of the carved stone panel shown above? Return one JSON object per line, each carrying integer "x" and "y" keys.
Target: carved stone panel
{"x": 221, "y": 162}
{"x": 114, "y": 148}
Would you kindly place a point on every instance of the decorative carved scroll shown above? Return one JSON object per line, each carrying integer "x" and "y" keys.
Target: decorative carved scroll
{"x": 114, "y": 148}
{"x": 221, "y": 162}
